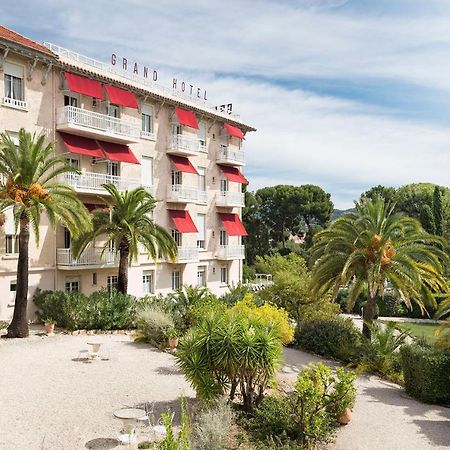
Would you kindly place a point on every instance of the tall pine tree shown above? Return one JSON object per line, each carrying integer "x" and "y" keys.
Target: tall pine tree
{"x": 427, "y": 219}
{"x": 437, "y": 211}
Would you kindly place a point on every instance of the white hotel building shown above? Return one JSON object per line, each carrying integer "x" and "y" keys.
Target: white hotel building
{"x": 122, "y": 128}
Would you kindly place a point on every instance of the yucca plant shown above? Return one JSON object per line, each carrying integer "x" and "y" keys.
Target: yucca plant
{"x": 373, "y": 247}
{"x": 30, "y": 185}
{"x": 229, "y": 353}
{"x": 126, "y": 225}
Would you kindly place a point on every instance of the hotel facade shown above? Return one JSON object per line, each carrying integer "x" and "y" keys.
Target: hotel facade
{"x": 119, "y": 126}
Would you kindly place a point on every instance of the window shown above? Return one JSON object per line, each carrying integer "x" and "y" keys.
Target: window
{"x": 202, "y": 135}
{"x": 223, "y": 238}
{"x": 177, "y": 237}
{"x": 148, "y": 282}
{"x": 112, "y": 168}
{"x": 224, "y": 275}
{"x": 111, "y": 282}
{"x": 177, "y": 129}
{"x": 176, "y": 279}
{"x": 224, "y": 185}
{"x": 14, "y": 81}
{"x": 147, "y": 171}
{"x": 201, "y": 238}
{"x": 67, "y": 238}
{"x": 177, "y": 177}
{"x": 72, "y": 285}
{"x": 113, "y": 111}
{"x": 73, "y": 162}
{"x": 201, "y": 179}
{"x": 201, "y": 276}
{"x": 147, "y": 119}
{"x": 69, "y": 100}
{"x": 12, "y": 244}
{"x": 94, "y": 279}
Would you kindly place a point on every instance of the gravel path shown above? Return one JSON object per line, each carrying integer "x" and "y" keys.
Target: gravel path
{"x": 384, "y": 417}
{"x": 50, "y": 400}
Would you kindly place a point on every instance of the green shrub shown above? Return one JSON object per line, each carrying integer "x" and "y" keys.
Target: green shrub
{"x": 103, "y": 310}
{"x": 212, "y": 427}
{"x": 426, "y": 371}
{"x": 308, "y": 414}
{"x": 152, "y": 325}
{"x": 336, "y": 338}
{"x": 231, "y": 351}
{"x": 182, "y": 440}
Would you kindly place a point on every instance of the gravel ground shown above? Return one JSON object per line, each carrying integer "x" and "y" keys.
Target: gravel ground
{"x": 384, "y": 417}
{"x": 51, "y": 400}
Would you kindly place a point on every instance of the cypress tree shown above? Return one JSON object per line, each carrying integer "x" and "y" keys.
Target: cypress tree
{"x": 427, "y": 219}
{"x": 437, "y": 211}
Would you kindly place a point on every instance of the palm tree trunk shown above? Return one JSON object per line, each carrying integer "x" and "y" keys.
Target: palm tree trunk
{"x": 369, "y": 314}
{"x": 122, "y": 279}
{"x": 18, "y": 328}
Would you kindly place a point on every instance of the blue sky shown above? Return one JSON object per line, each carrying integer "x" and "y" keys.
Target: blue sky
{"x": 345, "y": 94}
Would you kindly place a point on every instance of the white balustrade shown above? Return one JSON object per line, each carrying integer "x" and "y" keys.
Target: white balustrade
{"x": 92, "y": 181}
{"x": 97, "y": 121}
{"x": 202, "y": 197}
{"x": 180, "y": 143}
{"x": 228, "y": 154}
{"x": 14, "y": 103}
{"x": 92, "y": 256}
{"x": 148, "y": 135}
{"x": 230, "y": 252}
{"x": 227, "y": 198}
{"x": 182, "y": 193}
{"x": 187, "y": 254}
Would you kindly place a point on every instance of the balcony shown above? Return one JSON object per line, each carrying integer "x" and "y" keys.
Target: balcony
{"x": 179, "y": 144}
{"x": 187, "y": 254}
{"x": 227, "y": 252}
{"x": 179, "y": 193}
{"x": 91, "y": 182}
{"x": 96, "y": 125}
{"x": 230, "y": 199}
{"x": 14, "y": 103}
{"x": 90, "y": 258}
{"x": 230, "y": 155}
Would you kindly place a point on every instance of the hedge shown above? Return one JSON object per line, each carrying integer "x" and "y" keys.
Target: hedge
{"x": 426, "y": 371}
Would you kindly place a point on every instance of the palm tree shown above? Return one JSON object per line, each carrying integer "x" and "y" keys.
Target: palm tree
{"x": 29, "y": 184}
{"x": 373, "y": 248}
{"x": 125, "y": 224}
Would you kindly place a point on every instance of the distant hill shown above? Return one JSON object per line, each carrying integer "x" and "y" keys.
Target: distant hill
{"x": 340, "y": 212}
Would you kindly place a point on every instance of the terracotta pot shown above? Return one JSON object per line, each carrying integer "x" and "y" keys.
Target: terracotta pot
{"x": 345, "y": 417}
{"x": 173, "y": 342}
{"x": 49, "y": 328}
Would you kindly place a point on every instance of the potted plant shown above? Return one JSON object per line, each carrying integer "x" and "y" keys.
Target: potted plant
{"x": 172, "y": 338}
{"x": 49, "y": 325}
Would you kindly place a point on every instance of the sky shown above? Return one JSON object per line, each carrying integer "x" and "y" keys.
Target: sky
{"x": 345, "y": 94}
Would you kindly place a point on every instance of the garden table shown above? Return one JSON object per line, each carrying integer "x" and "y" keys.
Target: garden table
{"x": 129, "y": 417}
{"x": 94, "y": 348}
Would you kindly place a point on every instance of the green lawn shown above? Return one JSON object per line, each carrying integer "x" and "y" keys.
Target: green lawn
{"x": 425, "y": 330}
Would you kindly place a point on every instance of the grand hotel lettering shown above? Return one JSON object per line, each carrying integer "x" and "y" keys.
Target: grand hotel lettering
{"x": 145, "y": 72}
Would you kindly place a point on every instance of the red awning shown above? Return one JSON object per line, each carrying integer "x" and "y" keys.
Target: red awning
{"x": 118, "y": 152}
{"x": 82, "y": 145}
{"x": 233, "y": 174}
{"x": 233, "y": 224}
{"x": 90, "y": 207}
{"x": 186, "y": 118}
{"x": 183, "y": 221}
{"x": 120, "y": 96}
{"x": 83, "y": 85}
{"x": 183, "y": 164}
{"x": 234, "y": 131}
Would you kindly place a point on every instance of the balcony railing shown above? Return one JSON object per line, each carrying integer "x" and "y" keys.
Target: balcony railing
{"x": 92, "y": 256}
{"x": 97, "y": 124}
{"x": 183, "y": 194}
{"x": 183, "y": 145}
{"x": 14, "y": 103}
{"x": 92, "y": 182}
{"x": 230, "y": 252}
{"x": 148, "y": 135}
{"x": 227, "y": 198}
{"x": 230, "y": 155}
{"x": 187, "y": 254}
